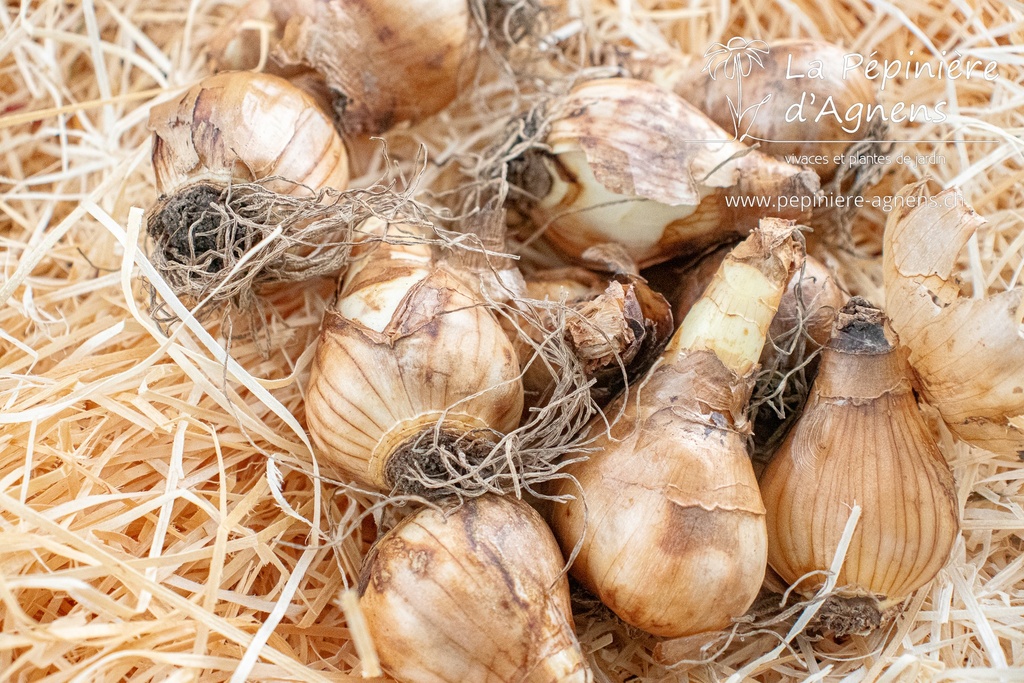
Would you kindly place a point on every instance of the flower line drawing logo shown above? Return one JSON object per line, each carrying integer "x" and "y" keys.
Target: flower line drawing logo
{"x": 735, "y": 60}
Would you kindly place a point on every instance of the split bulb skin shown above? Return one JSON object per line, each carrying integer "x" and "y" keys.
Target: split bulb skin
{"x": 960, "y": 343}
{"x": 602, "y": 324}
{"x": 670, "y": 524}
{"x": 408, "y": 346}
{"x": 613, "y": 324}
{"x": 635, "y": 164}
{"x": 861, "y": 440}
{"x": 476, "y": 595}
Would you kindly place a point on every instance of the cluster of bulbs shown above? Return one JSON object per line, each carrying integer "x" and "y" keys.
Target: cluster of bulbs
{"x": 669, "y": 525}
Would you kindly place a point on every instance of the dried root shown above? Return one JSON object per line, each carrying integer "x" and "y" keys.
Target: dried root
{"x": 842, "y": 616}
{"x": 781, "y": 387}
{"x": 507, "y": 23}
{"x": 771, "y": 619}
{"x": 221, "y": 249}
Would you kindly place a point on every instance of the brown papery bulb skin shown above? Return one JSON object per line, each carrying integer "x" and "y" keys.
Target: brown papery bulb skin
{"x": 814, "y": 310}
{"x": 793, "y": 72}
{"x": 670, "y": 526}
{"x": 240, "y": 127}
{"x": 252, "y": 35}
{"x": 236, "y": 45}
{"x": 408, "y": 346}
{"x": 861, "y": 440}
{"x": 612, "y": 325}
{"x": 477, "y": 596}
{"x": 635, "y": 164}
{"x": 967, "y": 351}
{"x": 386, "y": 61}
{"x": 607, "y": 327}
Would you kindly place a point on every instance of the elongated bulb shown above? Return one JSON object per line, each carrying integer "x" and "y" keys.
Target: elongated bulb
{"x": 670, "y": 526}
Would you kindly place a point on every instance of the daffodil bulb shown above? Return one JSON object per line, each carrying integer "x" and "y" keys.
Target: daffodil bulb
{"x": 240, "y": 126}
{"x": 779, "y": 96}
{"x": 237, "y": 157}
{"x": 476, "y": 595}
{"x": 631, "y": 163}
{"x": 414, "y": 379}
{"x": 861, "y": 440}
{"x": 967, "y": 348}
{"x": 668, "y": 519}
{"x": 384, "y": 61}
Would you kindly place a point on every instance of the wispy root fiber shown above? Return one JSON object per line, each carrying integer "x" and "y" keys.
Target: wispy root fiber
{"x": 832, "y": 615}
{"x": 437, "y": 464}
{"x": 789, "y": 365}
{"x": 220, "y": 249}
{"x": 863, "y": 170}
{"x": 509, "y": 22}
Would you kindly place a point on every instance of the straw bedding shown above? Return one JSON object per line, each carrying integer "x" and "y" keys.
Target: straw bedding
{"x": 160, "y": 515}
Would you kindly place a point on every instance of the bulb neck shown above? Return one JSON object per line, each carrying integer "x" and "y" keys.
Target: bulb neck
{"x": 861, "y": 362}
{"x": 860, "y": 329}
{"x": 844, "y": 376}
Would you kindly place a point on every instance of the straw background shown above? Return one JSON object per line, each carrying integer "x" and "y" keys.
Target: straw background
{"x": 160, "y": 515}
